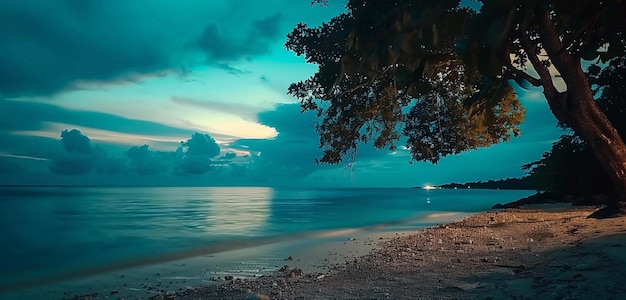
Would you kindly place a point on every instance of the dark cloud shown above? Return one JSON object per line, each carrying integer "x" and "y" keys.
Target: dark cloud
{"x": 269, "y": 27}
{"x": 50, "y": 46}
{"x": 289, "y": 120}
{"x": 230, "y": 69}
{"x": 194, "y": 165}
{"x": 73, "y": 164}
{"x": 193, "y": 157}
{"x": 74, "y": 141}
{"x": 201, "y": 144}
{"x": 292, "y": 153}
{"x": 221, "y": 47}
{"x": 217, "y": 46}
{"x": 111, "y": 165}
{"x": 30, "y": 146}
{"x": 296, "y": 132}
{"x": 198, "y": 152}
{"x": 24, "y": 116}
{"x": 53, "y": 47}
{"x": 79, "y": 156}
{"x": 145, "y": 161}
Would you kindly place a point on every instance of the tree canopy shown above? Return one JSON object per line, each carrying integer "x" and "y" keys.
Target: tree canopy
{"x": 440, "y": 74}
{"x": 414, "y": 84}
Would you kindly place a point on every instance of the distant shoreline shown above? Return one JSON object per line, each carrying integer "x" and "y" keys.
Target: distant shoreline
{"x": 524, "y": 183}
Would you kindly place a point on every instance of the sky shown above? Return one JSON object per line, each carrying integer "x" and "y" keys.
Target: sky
{"x": 191, "y": 92}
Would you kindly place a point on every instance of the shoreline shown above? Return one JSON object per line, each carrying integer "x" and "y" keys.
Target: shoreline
{"x": 186, "y": 272}
{"x": 541, "y": 252}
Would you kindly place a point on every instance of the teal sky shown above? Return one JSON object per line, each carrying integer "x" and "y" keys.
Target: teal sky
{"x": 190, "y": 92}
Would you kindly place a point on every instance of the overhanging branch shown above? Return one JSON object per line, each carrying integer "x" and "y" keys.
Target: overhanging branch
{"x": 544, "y": 74}
{"x": 517, "y": 73}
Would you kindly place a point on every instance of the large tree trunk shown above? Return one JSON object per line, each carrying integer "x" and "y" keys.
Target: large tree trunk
{"x": 603, "y": 139}
{"x": 577, "y": 108}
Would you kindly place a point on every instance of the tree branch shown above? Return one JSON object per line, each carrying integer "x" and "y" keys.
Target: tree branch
{"x": 544, "y": 74}
{"x": 551, "y": 41}
{"x": 517, "y": 73}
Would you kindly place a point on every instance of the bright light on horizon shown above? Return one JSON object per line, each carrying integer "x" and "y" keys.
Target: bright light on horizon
{"x": 429, "y": 187}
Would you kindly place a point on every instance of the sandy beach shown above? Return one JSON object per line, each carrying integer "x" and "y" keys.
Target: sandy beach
{"x": 540, "y": 252}
{"x": 543, "y": 252}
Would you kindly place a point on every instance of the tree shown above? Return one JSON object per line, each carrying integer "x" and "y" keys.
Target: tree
{"x": 570, "y": 168}
{"x": 382, "y": 59}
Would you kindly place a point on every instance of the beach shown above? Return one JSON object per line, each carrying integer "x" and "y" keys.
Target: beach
{"x": 137, "y": 243}
{"x": 535, "y": 252}
{"x": 540, "y": 252}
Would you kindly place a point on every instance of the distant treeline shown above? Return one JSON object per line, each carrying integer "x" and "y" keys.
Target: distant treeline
{"x": 524, "y": 183}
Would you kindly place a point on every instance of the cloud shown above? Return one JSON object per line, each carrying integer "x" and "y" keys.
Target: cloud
{"x": 291, "y": 154}
{"x": 194, "y": 165}
{"x": 79, "y": 156}
{"x": 45, "y": 55}
{"x": 244, "y": 111}
{"x": 258, "y": 39}
{"x": 110, "y": 165}
{"x": 198, "y": 152}
{"x": 193, "y": 157}
{"x": 201, "y": 145}
{"x": 70, "y": 44}
{"x": 145, "y": 161}
{"x": 230, "y": 69}
{"x": 74, "y": 164}
{"x": 28, "y": 116}
{"x": 290, "y": 122}
{"x": 74, "y": 141}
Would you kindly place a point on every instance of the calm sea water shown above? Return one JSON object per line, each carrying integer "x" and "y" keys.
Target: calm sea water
{"x": 51, "y": 231}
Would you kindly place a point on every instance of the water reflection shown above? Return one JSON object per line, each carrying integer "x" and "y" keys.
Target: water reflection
{"x": 238, "y": 211}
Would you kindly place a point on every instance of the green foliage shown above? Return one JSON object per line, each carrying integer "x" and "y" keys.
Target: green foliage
{"x": 390, "y": 68}
{"x": 439, "y": 73}
{"x": 559, "y": 169}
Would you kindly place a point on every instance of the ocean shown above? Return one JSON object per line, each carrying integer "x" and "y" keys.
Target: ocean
{"x": 52, "y": 235}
